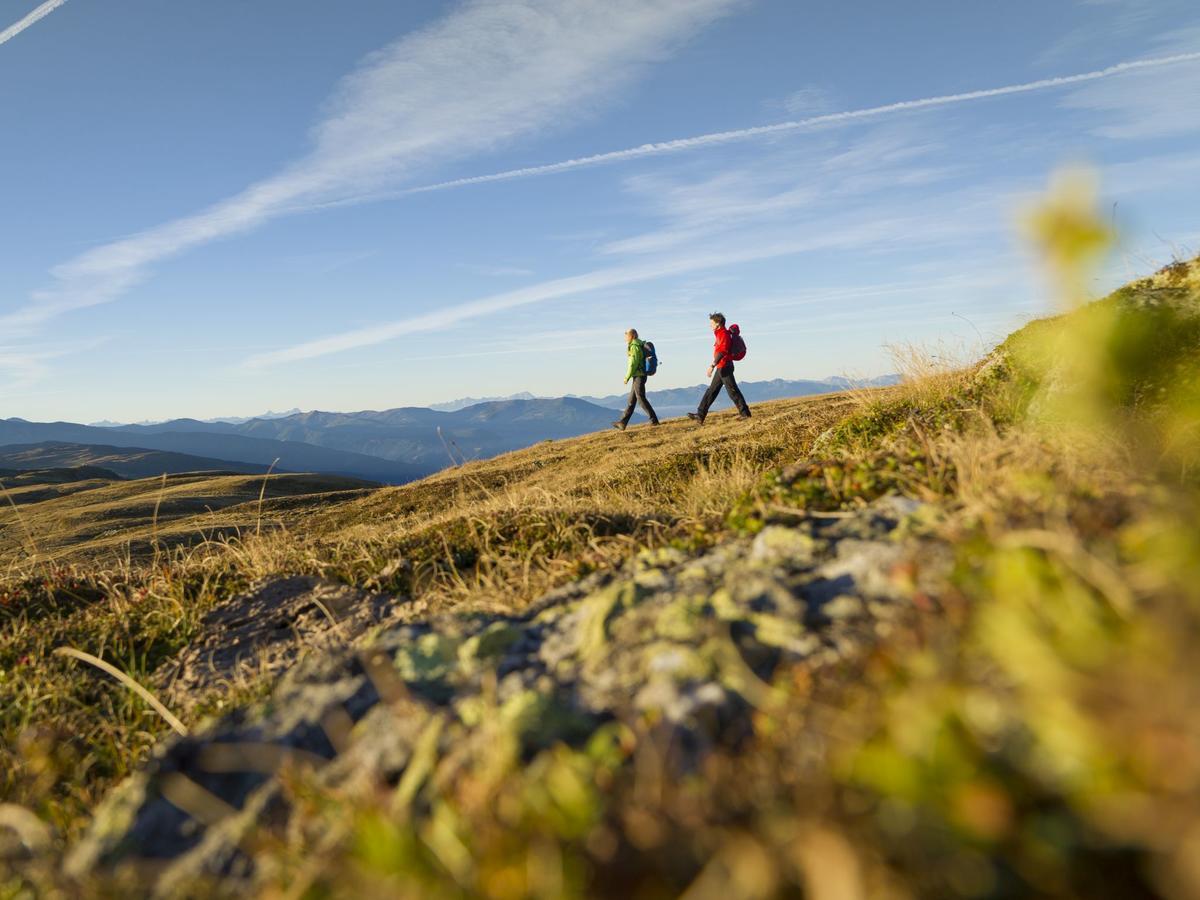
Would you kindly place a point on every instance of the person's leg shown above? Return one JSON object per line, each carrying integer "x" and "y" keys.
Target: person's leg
{"x": 710, "y": 395}
{"x": 629, "y": 405}
{"x": 639, "y": 387}
{"x": 735, "y": 392}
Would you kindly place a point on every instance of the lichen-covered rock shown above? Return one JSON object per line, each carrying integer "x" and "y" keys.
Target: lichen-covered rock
{"x": 777, "y": 544}
{"x": 690, "y": 643}
{"x": 266, "y": 629}
{"x": 489, "y": 643}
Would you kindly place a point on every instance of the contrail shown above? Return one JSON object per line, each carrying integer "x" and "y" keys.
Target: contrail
{"x": 37, "y": 15}
{"x": 741, "y": 134}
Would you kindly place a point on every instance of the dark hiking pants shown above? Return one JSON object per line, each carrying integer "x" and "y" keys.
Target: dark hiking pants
{"x": 724, "y": 377}
{"x": 637, "y": 394}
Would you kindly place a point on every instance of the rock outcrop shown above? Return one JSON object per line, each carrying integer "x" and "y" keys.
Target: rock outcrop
{"x": 266, "y": 629}
{"x": 693, "y": 641}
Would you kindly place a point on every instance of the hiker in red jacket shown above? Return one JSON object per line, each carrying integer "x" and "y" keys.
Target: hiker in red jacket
{"x": 721, "y": 372}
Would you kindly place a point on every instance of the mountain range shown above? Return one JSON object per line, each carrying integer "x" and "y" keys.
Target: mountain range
{"x": 236, "y": 420}
{"x": 391, "y": 446}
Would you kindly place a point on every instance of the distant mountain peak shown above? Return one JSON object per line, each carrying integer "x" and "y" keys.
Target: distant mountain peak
{"x": 464, "y": 402}
{"x": 269, "y": 414}
{"x": 219, "y": 420}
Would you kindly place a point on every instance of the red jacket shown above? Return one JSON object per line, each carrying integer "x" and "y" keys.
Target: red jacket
{"x": 721, "y": 357}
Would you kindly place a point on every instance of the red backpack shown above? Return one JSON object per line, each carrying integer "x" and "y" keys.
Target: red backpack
{"x": 737, "y": 346}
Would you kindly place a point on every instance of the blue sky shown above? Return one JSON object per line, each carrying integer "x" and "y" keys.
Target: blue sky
{"x": 217, "y": 208}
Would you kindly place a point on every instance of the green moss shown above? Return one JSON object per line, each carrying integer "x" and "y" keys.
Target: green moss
{"x": 681, "y": 620}
{"x": 493, "y": 641}
{"x": 538, "y": 720}
{"x": 431, "y": 657}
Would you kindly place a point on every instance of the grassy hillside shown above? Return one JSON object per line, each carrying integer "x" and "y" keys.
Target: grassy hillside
{"x": 936, "y": 640}
{"x": 503, "y": 531}
{"x": 486, "y": 534}
{"x": 108, "y": 518}
{"x": 22, "y": 486}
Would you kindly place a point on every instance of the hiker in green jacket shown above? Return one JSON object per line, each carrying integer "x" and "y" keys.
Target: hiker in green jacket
{"x": 637, "y": 374}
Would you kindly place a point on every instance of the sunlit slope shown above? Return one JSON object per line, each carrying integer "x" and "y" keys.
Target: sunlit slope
{"x": 643, "y": 480}
{"x": 98, "y": 517}
{"x": 652, "y": 464}
{"x": 498, "y": 533}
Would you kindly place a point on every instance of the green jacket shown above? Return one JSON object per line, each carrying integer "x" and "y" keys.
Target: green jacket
{"x": 637, "y": 359}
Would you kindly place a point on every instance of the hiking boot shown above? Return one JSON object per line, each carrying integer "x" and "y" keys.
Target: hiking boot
{"x": 697, "y": 418}
{"x": 655, "y": 422}
{"x": 619, "y": 425}
{"x": 744, "y": 415}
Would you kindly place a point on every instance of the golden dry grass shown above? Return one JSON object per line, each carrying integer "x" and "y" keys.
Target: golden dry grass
{"x": 486, "y": 535}
{"x": 98, "y": 518}
{"x": 500, "y": 532}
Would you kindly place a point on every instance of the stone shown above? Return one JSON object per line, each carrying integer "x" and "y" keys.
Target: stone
{"x": 266, "y": 629}
{"x": 692, "y": 641}
{"x": 844, "y": 606}
{"x": 777, "y": 545}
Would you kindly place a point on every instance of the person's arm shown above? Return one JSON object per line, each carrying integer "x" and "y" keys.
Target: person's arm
{"x": 720, "y": 350}
{"x": 634, "y": 361}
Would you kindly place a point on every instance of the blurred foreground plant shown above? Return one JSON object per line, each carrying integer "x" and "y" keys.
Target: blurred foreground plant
{"x": 1050, "y": 745}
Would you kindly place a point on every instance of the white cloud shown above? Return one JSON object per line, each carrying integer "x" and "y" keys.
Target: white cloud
{"x": 812, "y": 180}
{"x": 808, "y": 101}
{"x": 480, "y": 77}
{"x": 23, "y": 365}
{"x": 1109, "y": 26}
{"x": 477, "y": 79}
{"x": 718, "y": 138}
{"x": 1153, "y": 103}
{"x": 721, "y": 202}
{"x": 874, "y": 231}
{"x": 36, "y": 16}
{"x": 756, "y": 212}
{"x": 1154, "y": 172}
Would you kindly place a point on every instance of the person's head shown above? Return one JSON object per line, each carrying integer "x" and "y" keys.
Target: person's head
{"x": 717, "y": 320}
{"x": 631, "y": 335}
